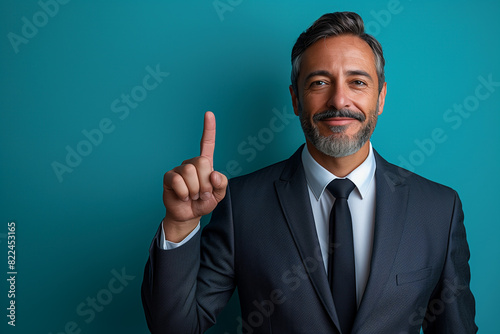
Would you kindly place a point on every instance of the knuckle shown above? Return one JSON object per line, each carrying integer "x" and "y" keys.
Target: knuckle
{"x": 168, "y": 176}
{"x": 188, "y": 169}
{"x": 175, "y": 179}
{"x": 204, "y": 163}
{"x": 177, "y": 182}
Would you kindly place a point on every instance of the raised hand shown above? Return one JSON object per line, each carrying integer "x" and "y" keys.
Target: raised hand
{"x": 193, "y": 189}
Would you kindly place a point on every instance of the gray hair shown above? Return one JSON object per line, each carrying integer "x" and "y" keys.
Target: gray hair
{"x": 335, "y": 24}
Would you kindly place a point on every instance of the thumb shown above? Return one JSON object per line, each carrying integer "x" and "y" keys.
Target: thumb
{"x": 219, "y": 183}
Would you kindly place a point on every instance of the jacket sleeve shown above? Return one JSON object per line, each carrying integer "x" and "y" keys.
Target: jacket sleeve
{"x": 451, "y": 308}
{"x": 184, "y": 289}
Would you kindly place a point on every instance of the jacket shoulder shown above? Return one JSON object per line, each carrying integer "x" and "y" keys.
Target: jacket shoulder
{"x": 267, "y": 175}
{"x": 396, "y": 175}
{"x": 260, "y": 177}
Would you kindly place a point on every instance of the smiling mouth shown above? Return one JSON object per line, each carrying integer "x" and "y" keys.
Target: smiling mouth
{"x": 339, "y": 121}
{"x": 339, "y": 117}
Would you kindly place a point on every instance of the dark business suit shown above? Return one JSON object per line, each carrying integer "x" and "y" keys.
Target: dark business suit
{"x": 262, "y": 239}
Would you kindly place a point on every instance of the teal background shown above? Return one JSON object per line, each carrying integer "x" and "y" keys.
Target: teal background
{"x": 70, "y": 235}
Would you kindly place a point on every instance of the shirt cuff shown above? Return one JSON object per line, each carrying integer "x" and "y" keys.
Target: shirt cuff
{"x": 166, "y": 245}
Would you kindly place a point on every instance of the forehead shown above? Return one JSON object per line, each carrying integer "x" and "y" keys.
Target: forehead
{"x": 345, "y": 52}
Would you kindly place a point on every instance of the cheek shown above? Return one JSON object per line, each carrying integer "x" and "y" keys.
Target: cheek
{"x": 314, "y": 102}
{"x": 368, "y": 106}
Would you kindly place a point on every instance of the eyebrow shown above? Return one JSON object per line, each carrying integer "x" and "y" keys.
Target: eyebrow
{"x": 349, "y": 73}
{"x": 315, "y": 73}
{"x": 360, "y": 73}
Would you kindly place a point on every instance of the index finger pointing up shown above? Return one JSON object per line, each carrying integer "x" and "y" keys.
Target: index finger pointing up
{"x": 207, "y": 144}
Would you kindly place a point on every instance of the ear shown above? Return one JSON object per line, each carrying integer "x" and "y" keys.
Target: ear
{"x": 381, "y": 98}
{"x": 295, "y": 101}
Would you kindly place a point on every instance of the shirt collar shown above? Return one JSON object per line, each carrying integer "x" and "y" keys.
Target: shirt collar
{"x": 318, "y": 177}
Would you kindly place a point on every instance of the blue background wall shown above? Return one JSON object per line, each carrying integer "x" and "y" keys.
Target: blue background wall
{"x": 76, "y": 233}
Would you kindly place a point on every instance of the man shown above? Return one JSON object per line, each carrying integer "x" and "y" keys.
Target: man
{"x": 334, "y": 239}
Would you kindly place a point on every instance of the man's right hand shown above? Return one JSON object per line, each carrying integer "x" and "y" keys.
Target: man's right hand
{"x": 193, "y": 189}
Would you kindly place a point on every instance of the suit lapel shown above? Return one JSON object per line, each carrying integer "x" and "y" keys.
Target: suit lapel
{"x": 390, "y": 216}
{"x": 293, "y": 196}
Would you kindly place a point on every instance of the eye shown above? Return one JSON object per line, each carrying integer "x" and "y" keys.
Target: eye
{"x": 359, "y": 83}
{"x": 318, "y": 83}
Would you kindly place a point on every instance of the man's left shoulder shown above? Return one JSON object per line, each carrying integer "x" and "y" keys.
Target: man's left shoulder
{"x": 395, "y": 176}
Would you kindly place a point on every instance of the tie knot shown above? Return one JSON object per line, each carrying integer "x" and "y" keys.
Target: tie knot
{"x": 340, "y": 188}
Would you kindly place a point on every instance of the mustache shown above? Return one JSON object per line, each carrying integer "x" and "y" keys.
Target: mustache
{"x": 331, "y": 113}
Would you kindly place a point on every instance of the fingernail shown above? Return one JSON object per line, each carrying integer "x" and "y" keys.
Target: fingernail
{"x": 195, "y": 197}
{"x": 206, "y": 196}
{"x": 185, "y": 199}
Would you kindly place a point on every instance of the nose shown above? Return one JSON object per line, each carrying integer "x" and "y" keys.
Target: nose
{"x": 339, "y": 97}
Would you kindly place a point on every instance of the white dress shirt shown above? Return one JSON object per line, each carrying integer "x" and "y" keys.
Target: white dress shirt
{"x": 165, "y": 244}
{"x": 361, "y": 204}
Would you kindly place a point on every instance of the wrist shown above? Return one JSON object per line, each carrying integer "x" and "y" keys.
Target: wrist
{"x": 178, "y": 231}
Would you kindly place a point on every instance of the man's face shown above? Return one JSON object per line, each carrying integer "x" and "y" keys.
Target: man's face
{"x": 338, "y": 100}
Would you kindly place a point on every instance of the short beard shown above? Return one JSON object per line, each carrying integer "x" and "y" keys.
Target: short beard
{"x": 338, "y": 144}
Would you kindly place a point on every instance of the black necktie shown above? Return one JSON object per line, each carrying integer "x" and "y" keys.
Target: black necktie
{"x": 341, "y": 274}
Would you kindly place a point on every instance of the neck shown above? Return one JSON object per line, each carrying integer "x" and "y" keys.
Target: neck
{"x": 340, "y": 167}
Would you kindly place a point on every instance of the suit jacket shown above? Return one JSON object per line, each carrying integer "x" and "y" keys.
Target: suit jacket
{"x": 262, "y": 240}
